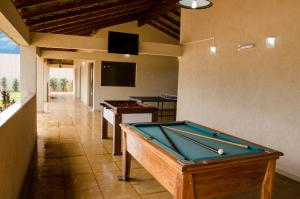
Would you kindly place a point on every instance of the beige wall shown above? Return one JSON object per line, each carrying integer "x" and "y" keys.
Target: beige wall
{"x": 253, "y": 93}
{"x": 17, "y": 142}
{"x": 155, "y": 74}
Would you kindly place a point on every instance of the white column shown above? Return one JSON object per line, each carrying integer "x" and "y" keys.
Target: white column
{"x": 28, "y": 66}
{"x": 40, "y": 84}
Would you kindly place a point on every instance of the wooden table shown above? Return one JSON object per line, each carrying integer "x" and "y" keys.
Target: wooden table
{"x": 123, "y": 111}
{"x": 193, "y": 171}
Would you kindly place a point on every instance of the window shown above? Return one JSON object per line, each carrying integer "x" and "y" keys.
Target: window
{"x": 9, "y": 72}
{"x": 118, "y": 74}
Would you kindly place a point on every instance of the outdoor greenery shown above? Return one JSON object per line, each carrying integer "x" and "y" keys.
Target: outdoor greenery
{"x": 8, "y": 97}
{"x": 53, "y": 83}
{"x": 63, "y": 84}
{"x": 6, "y": 101}
{"x": 3, "y": 83}
{"x": 16, "y": 85}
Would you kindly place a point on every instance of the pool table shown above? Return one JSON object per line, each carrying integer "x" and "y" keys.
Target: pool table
{"x": 193, "y": 161}
{"x": 123, "y": 111}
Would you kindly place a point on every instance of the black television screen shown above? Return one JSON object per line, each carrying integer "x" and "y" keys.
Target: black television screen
{"x": 118, "y": 74}
{"x": 123, "y": 43}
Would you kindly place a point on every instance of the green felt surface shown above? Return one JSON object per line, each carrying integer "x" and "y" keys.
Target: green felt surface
{"x": 188, "y": 150}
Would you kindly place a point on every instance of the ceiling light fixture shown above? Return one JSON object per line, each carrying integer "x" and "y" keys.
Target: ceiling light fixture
{"x": 195, "y": 4}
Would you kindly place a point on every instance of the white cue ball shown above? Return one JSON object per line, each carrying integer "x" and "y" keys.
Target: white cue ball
{"x": 220, "y": 151}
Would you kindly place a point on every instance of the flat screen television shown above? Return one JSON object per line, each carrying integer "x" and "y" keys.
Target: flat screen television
{"x": 123, "y": 43}
{"x": 118, "y": 74}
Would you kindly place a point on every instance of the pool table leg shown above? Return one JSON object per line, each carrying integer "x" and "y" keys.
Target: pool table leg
{"x": 184, "y": 187}
{"x": 268, "y": 182}
{"x": 126, "y": 161}
{"x": 103, "y": 133}
{"x": 117, "y": 135}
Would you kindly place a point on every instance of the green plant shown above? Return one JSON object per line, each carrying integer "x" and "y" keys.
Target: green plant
{"x": 53, "y": 83}
{"x": 63, "y": 84}
{"x": 6, "y": 101}
{"x": 4, "y": 83}
{"x": 16, "y": 85}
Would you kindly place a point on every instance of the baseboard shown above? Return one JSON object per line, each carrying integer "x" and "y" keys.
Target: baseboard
{"x": 291, "y": 176}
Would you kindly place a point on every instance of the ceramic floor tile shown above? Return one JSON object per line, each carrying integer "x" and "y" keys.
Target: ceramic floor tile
{"x": 72, "y": 149}
{"x": 76, "y": 165}
{"x": 107, "y": 177}
{"x": 80, "y": 181}
{"x": 140, "y": 175}
{"x": 48, "y": 168}
{"x": 162, "y": 195}
{"x": 52, "y": 187}
{"x": 147, "y": 186}
{"x": 118, "y": 190}
{"x": 134, "y": 164}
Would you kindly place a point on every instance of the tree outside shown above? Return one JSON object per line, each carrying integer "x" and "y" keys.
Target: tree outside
{"x": 53, "y": 83}
{"x": 4, "y": 83}
{"x": 63, "y": 84}
{"x": 16, "y": 85}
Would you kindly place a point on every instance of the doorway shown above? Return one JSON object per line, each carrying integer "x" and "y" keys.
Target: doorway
{"x": 91, "y": 84}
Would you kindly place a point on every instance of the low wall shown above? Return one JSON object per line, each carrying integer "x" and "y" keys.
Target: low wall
{"x": 17, "y": 142}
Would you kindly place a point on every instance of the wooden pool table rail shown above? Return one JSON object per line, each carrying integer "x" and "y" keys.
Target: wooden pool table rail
{"x": 204, "y": 179}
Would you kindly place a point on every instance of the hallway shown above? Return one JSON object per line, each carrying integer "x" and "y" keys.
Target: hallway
{"x": 73, "y": 162}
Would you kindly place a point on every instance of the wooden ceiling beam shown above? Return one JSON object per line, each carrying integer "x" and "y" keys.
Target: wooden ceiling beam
{"x": 166, "y": 6}
{"x": 168, "y": 24}
{"x": 25, "y": 3}
{"x": 57, "y": 8}
{"x": 92, "y": 16}
{"x": 107, "y": 18}
{"x": 84, "y": 12}
{"x": 172, "y": 17}
{"x": 100, "y": 25}
{"x": 167, "y": 31}
{"x": 60, "y": 61}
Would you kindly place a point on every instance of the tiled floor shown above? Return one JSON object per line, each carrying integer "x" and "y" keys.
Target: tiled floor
{"x": 73, "y": 162}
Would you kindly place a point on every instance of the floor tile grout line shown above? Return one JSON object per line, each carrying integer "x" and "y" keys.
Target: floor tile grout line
{"x": 62, "y": 164}
{"x": 85, "y": 154}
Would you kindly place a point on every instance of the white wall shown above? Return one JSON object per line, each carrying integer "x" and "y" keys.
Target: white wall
{"x": 10, "y": 68}
{"x": 254, "y": 94}
{"x": 40, "y": 85}
{"x": 28, "y": 67}
{"x": 60, "y": 73}
{"x": 84, "y": 82}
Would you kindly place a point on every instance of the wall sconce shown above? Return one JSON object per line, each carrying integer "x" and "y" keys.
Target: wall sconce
{"x": 213, "y": 50}
{"x": 127, "y": 55}
{"x": 245, "y": 46}
{"x": 83, "y": 63}
{"x": 271, "y": 42}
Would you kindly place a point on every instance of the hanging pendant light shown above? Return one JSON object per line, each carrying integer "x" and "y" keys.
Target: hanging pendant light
{"x": 195, "y": 4}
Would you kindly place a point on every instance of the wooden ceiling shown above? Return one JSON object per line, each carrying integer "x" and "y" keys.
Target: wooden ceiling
{"x": 60, "y": 62}
{"x": 83, "y": 17}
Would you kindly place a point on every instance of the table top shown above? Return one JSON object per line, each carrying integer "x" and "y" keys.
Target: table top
{"x": 127, "y": 106}
{"x": 153, "y": 98}
{"x": 190, "y": 151}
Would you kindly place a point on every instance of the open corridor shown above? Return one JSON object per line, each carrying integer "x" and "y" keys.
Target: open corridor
{"x": 73, "y": 162}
